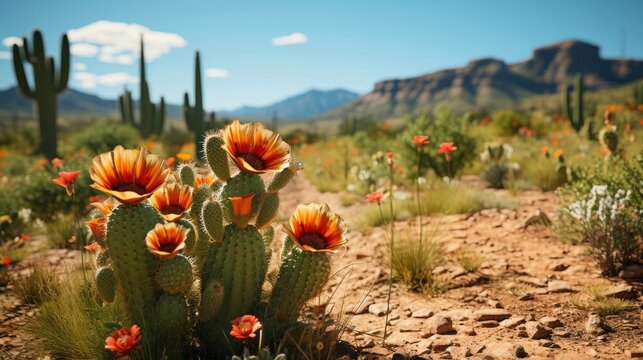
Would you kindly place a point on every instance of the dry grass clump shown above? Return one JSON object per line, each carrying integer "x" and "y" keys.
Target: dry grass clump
{"x": 38, "y": 286}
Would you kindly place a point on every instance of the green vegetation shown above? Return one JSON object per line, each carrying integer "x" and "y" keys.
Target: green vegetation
{"x": 39, "y": 285}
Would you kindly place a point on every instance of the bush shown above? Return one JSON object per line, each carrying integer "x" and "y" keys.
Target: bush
{"x": 444, "y": 127}
{"x": 174, "y": 138}
{"x": 508, "y": 122}
{"x": 414, "y": 262}
{"x": 102, "y": 137}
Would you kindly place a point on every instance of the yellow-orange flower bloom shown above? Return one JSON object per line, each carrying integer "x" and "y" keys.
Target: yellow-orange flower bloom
{"x": 316, "y": 229}
{"x": 255, "y": 149}
{"x": 98, "y": 226}
{"x": 558, "y": 153}
{"x": 166, "y": 240}
{"x": 130, "y": 176}
{"x": 242, "y": 205}
{"x": 106, "y": 206}
{"x": 172, "y": 201}
{"x": 204, "y": 179}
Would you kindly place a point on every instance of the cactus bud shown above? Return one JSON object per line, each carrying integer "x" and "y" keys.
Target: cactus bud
{"x": 217, "y": 157}
{"x": 106, "y": 284}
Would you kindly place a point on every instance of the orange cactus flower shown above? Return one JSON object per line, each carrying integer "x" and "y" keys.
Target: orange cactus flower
{"x": 605, "y": 151}
{"x": 558, "y": 153}
{"x": 170, "y": 161}
{"x": 172, "y": 201}
{"x": 204, "y": 179}
{"x": 544, "y": 150}
{"x": 57, "y": 162}
{"x": 255, "y": 149}
{"x": 124, "y": 341}
{"x": 66, "y": 179}
{"x": 447, "y": 148}
{"x": 420, "y": 140}
{"x": 184, "y": 156}
{"x": 98, "y": 226}
{"x": 92, "y": 247}
{"x": 95, "y": 198}
{"x": 131, "y": 176}
{"x": 242, "y": 205}
{"x": 6, "y": 260}
{"x": 244, "y": 328}
{"x": 316, "y": 229}
{"x": 166, "y": 240}
{"x": 106, "y": 206}
{"x": 375, "y": 196}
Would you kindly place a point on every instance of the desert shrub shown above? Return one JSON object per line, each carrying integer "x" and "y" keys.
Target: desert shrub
{"x": 413, "y": 261}
{"x": 509, "y": 122}
{"x": 498, "y": 170}
{"x": 607, "y": 221}
{"x": 174, "y": 138}
{"x": 20, "y": 139}
{"x": 444, "y": 126}
{"x": 469, "y": 260}
{"x": 546, "y": 174}
{"x": 102, "y": 137}
{"x": 39, "y": 285}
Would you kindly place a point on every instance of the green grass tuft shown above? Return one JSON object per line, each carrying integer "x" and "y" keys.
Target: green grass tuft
{"x": 38, "y": 286}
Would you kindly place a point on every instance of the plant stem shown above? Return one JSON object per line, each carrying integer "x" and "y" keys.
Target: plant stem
{"x": 417, "y": 189}
{"x": 392, "y": 245}
{"x": 81, "y": 241}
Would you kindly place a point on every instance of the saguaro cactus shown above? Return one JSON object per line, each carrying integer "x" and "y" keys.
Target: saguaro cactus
{"x": 152, "y": 116}
{"x": 48, "y": 83}
{"x": 195, "y": 115}
{"x": 578, "y": 119}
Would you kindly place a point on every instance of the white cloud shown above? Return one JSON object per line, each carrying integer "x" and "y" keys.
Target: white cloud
{"x": 5, "y": 55}
{"x": 216, "y": 73}
{"x": 90, "y": 80}
{"x": 124, "y": 59}
{"x": 84, "y": 50}
{"x": 292, "y": 39}
{"x": 118, "y": 38}
{"x": 80, "y": 66}
{"x": 11, "y": 40}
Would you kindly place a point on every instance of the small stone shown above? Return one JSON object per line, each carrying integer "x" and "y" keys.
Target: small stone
{"x": 551, "y": 322}
{"x": 422, "y": 313}
{"x": 378, "y": 309}
{"x": 441, "y": 344}
{"x": 512, "y": 322}
{"x": 358, "y": 309}
{"x": 458, "y": 352}
{"x": 489, "y": 324}
{"x": 548, "y": 344}
{"x": 479, "y": 348}
{"x": 522, "y": 333}
{"x": 527, "y": 296}
{"x": 559, "y": 286}
{"x": 506, "y": 351}
{"x": 632, "y": 273}
{"x": 492, "y": 314}
{"x": 536, "y": 331}
{"x": 634, "y": 353}
{"x": 624, "y": 292}
{"x": 559, "y": 267}
{"x": 592, "y": 352}
{"x": 562, "y": 333}
{"x": 410, "y": 325}
{"x": 440, "y": 324}
{"x": 468, "y": 330}
{"x": 594, "y": 325}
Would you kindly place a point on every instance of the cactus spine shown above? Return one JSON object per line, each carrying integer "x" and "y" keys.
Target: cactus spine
{"x": 48, "y": 83}
{"x": 152, "y": 116}
{"x": 195, "y": 115}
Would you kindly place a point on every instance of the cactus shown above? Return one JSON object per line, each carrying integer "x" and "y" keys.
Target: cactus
{"x": 566, "y": 102}
{"x": 195, "y": 115}
{"x": 578, "y": 119}
{"x": 175, "y": 275}
{"x": 48, "y": 83}
{"x": 106, "y": 284}
{"x": 609, "y": 138}
{"x": 152, "y": 116}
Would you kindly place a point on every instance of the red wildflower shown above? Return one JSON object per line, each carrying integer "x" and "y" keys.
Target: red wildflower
{"x": 93, "y": 246}
{"x": 96, "y": 198}
{"x": 66, "y": 179}
{"x": 375, "y": 196}
{"x": 446, "y": 148}
{"x": 169, "y": 161}
{"x": 389, "y": 154}
{"x": 24, "y": 236}
{"x": 244, "y": 328}
{"x": 6, "y": 260}
{"x": 420, "y": 140}
{"x": 57, "y": 162}
{"x": 124, "y": 341}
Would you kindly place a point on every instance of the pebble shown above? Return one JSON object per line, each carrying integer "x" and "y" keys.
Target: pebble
{"x": 594, "y": 325}
{"x": 440, "y": 324}
{"x": 551, "y": 322}
{"x": 559, "y": 286}
{"x": 422, "y": 313}
{"x": 489, "y": 324}
{"x": 378, "y": 309}
{"x": 512, "y": 322}
{"x": 441, "y": 344}
{"x": 548, "y": 344}
{"x": 491, "y": 314}
{"x": 536, "y": 331}
{"x": 625, "y": 292}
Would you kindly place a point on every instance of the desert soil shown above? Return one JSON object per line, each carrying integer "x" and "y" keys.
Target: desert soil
{"x": 517, "y": 304}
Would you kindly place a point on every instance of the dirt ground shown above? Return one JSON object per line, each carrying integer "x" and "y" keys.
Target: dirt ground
{"x": 518, "y": 304}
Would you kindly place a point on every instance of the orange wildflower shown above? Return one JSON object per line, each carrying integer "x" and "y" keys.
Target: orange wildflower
{"x": 375, "y": 197}
{"x": 124, "y": 341}
{"x": 314, "y": 228}
{"x": 93, "y": 246}
{"x": 255, "y": 149}
{"x": 57, "y": 162}
{"x": 131, "y": 176}
{"x": 244, "y": 328}
{"x": 66, "y": 179}
{"x": 558, "y": 153}
{"x": 166, "y": 240}
{"x": 98, "y": 226}
{"x": 172, "y": 201}
{"x": 420, "y": 140}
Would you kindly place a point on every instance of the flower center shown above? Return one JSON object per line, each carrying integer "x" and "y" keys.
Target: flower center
{"x": 123, "y": 339}
{"x": 313, "y": 240}
{"x": 245, "y": 327}
{"x": 168, "y": 247}
{"x": 173, "y": 209}
{"x": 131, "y": 187}
{"x": 253, "y": 160}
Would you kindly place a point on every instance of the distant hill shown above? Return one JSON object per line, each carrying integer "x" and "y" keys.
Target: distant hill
{"x": 69, "y": 102}
{"x": 304, "y": 106}
{"x": 491, "y": 83}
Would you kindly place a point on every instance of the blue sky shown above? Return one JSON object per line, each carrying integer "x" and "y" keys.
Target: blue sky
{"x": 338, "y": 43}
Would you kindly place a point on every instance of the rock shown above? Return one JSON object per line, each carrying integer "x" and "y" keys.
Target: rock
{"x": 441, "y": 344}
{"x": 512, "y": 322}
{"x": 506, "y": 351}
{"x": 548, "y": 344}
{"x": 632, "y": 273}
{"x": 489, "y": 324}
{"x": 534, "y": 281}
{"x": 558, "y": 267}
{"x": 467, "y": 330}
{"x": 491, "y": 314}
{"x": 622, "y": 291}
{"x": 559, "y": 286}
{"x": 479, "y": 348}
{"x": 536, "y": 331}
{"x": 378, "y": 309}
{"x": 591, "y": 352}
{"x": 594, "y": 325}
{"x": 439, "y": 324}
{"x": 562, "y": 333}
{"x": 458, "y": 352}
{"x": 527, "y": 296}
{"x": 522, "y": 333}
{"x": 551, "y": 322}
{"x": 410, "y": 325}
{"x": 422, "y": 313}
{"x": 358, "y": 309}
